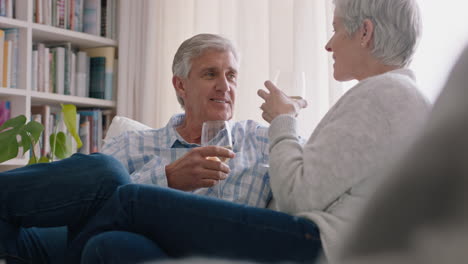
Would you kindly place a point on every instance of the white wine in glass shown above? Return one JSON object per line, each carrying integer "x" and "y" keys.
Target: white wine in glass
{"x": 217, "y": 133}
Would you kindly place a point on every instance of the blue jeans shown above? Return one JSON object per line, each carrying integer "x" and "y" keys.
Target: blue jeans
{"x": 62, "y": 194}
{"x": 160, "y": 223}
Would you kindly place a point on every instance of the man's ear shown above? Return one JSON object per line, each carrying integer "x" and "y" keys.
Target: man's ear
{"x": 367, "y": 32}
{"x": 178, "y": 86}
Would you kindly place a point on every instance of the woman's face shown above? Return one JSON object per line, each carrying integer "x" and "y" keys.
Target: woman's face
{"x": 347, "y": 52}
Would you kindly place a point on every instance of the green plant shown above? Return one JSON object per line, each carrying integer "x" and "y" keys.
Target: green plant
{"x": 16, "y": 133}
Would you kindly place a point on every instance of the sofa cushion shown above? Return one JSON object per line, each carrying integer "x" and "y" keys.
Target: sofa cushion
{"x": 121, "y": 124}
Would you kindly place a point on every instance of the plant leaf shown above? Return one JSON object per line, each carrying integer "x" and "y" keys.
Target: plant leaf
{"x": 25, "y": 140}
{"x": 9, "y": 130}
{"x": 44, "y": 159}
{"x": 29, "y": 136}
{"x": 32, "y": 160}
{"x": 9, "y": 150}
{"x": 69, "y": 117}
{"x": 16, "y": 122}
{"x": 61, "y": 147}
{"x": 35, "y": 129}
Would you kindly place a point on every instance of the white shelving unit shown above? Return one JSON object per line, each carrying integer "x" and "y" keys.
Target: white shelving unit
{"x": 22, "y": 97}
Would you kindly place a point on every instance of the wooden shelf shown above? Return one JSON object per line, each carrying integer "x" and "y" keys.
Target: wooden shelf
{"x": 48, "y": 34}
{"x": 51, "y": 98}
{"x": 6, "y": 22}
{"x": 12, "y": 91}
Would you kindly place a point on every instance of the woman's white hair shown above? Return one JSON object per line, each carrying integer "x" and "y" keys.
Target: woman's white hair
{"x": 193, "y": 48}
{"x": 397, "y": 26}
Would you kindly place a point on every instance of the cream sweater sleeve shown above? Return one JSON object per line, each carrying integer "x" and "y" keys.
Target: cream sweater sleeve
{"x": 353, "y": 136}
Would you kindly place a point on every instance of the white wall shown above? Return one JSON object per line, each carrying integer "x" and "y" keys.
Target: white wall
{"x": 445, "y": 34}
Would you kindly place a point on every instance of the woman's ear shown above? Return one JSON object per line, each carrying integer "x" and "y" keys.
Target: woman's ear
{"x": 366, "y": 32}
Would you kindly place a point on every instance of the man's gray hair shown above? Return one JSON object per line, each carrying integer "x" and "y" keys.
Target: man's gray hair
{"x": 193, "y": 48}
{"x": 397, "y": 26}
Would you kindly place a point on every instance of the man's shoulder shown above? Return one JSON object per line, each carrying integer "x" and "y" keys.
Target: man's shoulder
{"x": 132, "y": 135}
{"x": 250, "y": 127}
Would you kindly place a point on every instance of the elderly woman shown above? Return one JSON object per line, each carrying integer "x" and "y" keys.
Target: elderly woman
{"x": 328, "y": 178}
{"x": 318, "y": 187}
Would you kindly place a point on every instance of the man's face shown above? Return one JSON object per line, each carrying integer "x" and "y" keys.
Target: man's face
{"x": 209, "y": 92}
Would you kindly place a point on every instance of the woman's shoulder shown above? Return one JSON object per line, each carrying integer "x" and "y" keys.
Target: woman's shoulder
{"x": 391, "y": 87}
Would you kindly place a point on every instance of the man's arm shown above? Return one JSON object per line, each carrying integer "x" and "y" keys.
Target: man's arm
{"x": 190, "y": 172}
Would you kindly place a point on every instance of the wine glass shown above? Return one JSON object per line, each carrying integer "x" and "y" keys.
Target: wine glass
{"x": 217, "y": 133}
{"x": 292, "y": 83}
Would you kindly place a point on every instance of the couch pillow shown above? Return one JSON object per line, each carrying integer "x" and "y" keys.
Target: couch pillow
{"x": 121, "y": 124}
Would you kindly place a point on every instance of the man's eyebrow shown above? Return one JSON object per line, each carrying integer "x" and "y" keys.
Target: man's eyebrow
{"x": 209, "y": 69}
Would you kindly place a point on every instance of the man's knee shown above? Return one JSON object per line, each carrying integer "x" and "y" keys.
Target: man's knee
{"x": 122, "y": 246}
{"x": 106, "y": 167}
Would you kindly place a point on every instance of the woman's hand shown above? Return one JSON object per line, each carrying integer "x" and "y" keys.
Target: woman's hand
{"x": 278, "y": 103}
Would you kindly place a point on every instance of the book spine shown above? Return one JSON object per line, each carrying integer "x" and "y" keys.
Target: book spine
{"x": 5, "y": 111}
{"x": 6, "y": 63}
{"x": 34, "y": 70}
{"x": 92, "y": 17}
{"x": 72, "y": 81}
{"x": 81, "y": 74}
{"x": 12, "y": 34}
{"x": 60, "y": 65}
{"x": 3, "y": 8}
{"x": 47, "y": 59}
{"x": 98, "y": 77}
{"x": 2, "y": 44}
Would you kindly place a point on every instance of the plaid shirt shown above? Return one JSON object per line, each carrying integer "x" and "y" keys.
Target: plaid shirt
{"x": 146, "y": 153}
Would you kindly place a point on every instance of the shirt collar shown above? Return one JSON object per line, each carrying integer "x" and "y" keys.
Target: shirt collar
{"x": 175, "y": 139}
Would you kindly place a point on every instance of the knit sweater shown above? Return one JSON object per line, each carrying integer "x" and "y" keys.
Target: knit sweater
{"x": 328, "y": 180}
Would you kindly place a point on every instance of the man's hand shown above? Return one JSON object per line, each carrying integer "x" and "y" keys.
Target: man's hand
{"x": 278, "y": 103}
{"x": 194, "y": 170}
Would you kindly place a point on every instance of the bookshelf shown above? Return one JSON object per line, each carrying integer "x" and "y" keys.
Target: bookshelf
{"x": 24, "y": 96}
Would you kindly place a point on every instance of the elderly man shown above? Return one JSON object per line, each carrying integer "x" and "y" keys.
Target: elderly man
{"x": 205, "y": 71}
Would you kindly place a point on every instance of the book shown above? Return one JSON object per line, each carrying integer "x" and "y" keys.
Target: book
{"x": 47, "y": 59}
{"x": 10, "y": 8}
{"x": 97, "y": 77}
{"x": 40, "y": 66}
{"x": 72, "y": 82}
{"x": 95, "y": 119}
{"x": 104, "y": 15}
{"x": 2, "y": 43}
{"x": 44, "y": 112}
{"x": 92, "y": 17}
{"x": 78, "y": 17}
{"x": 12, "y": 35}
{"x": 109, "y": 54}
{"x": 85, "y": 136}
{"x": 71, "y": 14}
{"x": 7, "y": 50}
{"x": 52, "y": 59}
{"x": 34, "y": 70}
{"x": 59, "y": 58}
{"x": 5, "y": 111}
{"x": 82, "y": 67}
{"x": 3, "y": 8}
